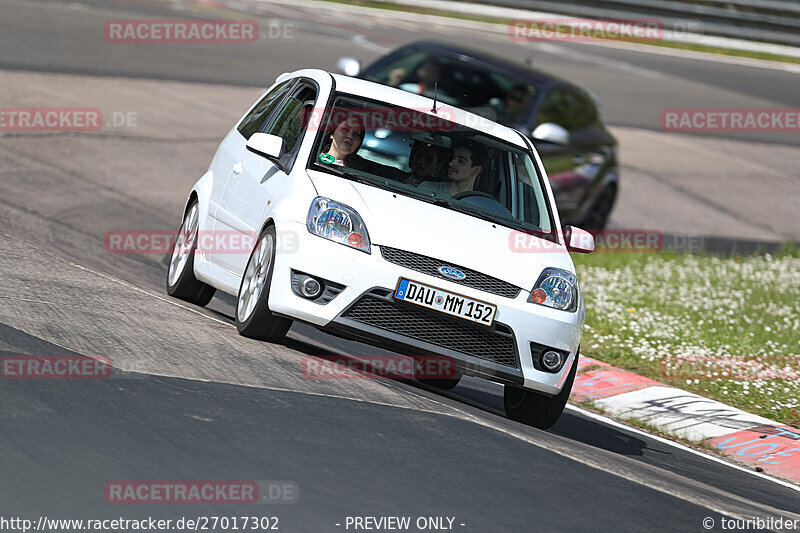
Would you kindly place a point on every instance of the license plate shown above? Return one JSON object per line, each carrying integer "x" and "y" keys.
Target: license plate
{"x": 444, "y": 301}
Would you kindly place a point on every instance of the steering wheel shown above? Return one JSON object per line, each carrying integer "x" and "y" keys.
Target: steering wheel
{"x": 467, "y": 194}
{"x": 484, "y": 201}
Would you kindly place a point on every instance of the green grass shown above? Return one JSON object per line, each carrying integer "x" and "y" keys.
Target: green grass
{"x": 506, "y": 21}
{"x": 725, "y": 328}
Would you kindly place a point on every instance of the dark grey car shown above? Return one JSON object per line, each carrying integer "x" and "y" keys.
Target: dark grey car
{"x": 561, "y": 118}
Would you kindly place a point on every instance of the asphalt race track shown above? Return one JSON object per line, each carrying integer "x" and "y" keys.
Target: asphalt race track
{"x": 195, "y": 401}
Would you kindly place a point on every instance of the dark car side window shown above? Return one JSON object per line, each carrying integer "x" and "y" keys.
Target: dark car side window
{"x": 568, "y": 108}
{"x": 585, "y": 112}
{"x": 289, "y": 120}
{"x": 254, "y": 120}
{"x": 463, "y": 83}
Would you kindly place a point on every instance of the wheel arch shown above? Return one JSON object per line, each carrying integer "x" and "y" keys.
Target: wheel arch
{"x": 270, "y": 221}
{"x": 201, "y": 192}
{"x": 193, "y": 197}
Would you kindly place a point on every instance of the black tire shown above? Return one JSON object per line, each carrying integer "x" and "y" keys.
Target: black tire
{"x": 181, "y": 281}
{"x": 535, "y": 409}
{"x": 253, "y": 317}
{"x": 597, "y": 219}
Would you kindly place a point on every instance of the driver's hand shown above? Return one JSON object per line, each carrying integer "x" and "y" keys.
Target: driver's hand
{"x": 396, "y": 76}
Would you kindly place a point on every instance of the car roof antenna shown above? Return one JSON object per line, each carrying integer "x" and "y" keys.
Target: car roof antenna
{"x": 435, "y": 90}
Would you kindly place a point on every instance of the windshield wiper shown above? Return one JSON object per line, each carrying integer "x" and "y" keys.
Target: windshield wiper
{"x": 352, "y": 176}
{"x": 346, "y": 174}
{"x": 461, "y": 208}
{"x": 381, "y": 183}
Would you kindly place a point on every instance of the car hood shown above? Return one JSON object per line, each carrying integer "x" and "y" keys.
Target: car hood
{"x": 454, "y": 238}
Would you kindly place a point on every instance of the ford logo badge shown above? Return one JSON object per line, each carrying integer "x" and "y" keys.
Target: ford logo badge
{"x": 451, "y": 272}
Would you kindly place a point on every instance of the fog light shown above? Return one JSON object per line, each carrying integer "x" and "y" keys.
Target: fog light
{"x": 310, "y": 288}
{"x": 551, "y": 360}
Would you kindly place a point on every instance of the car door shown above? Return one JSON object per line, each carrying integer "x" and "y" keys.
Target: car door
{"x": 595, "y": 148}
{"x": 228, "y": 163}
{"x": 255, "y": 180}
{"x": 561, "y": 161}
{"x": 572, "y": 167}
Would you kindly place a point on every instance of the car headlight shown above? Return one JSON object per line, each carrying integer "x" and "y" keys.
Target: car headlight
{"x": 337, "y": 222}
{"x": 556, "y": 288}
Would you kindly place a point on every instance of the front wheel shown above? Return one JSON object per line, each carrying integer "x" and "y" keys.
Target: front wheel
{"x": 597, "y": 219}
{"x": 181, "y": 281}
{"x": 536, "y": 409}
{"x": 253, "y": 317}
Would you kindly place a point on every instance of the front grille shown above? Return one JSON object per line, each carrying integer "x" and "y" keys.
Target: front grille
{"x": 430, "y": 266}
{"x": 465, "y": 338}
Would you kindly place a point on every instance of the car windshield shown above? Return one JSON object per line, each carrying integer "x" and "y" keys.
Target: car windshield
{"x": 497, "y": 96}
{"x": 428, "y": 157}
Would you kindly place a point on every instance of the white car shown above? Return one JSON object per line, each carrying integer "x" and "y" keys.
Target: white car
{"x": 452, "y": 248}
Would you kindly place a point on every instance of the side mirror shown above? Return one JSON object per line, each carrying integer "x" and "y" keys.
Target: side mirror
{"x": 578, "y": 240}
{"x": 551, "y": 133}
{"x": 267, "y": 145}
{"x": 349, "y": 66}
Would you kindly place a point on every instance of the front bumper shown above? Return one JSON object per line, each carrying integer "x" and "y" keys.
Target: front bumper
{"x": 365, "y": 310}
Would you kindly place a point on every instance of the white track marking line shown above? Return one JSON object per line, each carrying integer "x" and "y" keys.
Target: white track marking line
{"x": 463, "y": 415}
{"x": 698, "y": 496}
{"x": 501, "y": 29}
{"x": 593, "y": 59}
{"x": 614, "y": 423}
{"x": 362, "y": 41}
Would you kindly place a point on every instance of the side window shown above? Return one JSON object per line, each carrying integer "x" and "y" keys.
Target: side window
{"x": 567, "y": 107}
{"x": 585, "y": 112}
{"x": 399, "y": 67}
{"x": 555, "y": 108}
{"x": 254, "y": 120}
{"x": 288, "y": 121}
{"x": 531, "y": 203}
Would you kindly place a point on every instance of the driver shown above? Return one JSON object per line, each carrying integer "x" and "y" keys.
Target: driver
{"x": 517, "y": 103}
{"x": 429, "y": 73}
{"x": 467, "y": 161}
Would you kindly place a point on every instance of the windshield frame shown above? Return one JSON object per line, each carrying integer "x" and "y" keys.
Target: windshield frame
{"x": 369, "y": 179}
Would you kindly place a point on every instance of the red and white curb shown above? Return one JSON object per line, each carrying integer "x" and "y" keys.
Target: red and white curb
{"x": 745, "y": 437}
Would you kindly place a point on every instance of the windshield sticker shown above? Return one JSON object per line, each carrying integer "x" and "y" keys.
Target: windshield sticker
{"x": 326, "y": 158}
